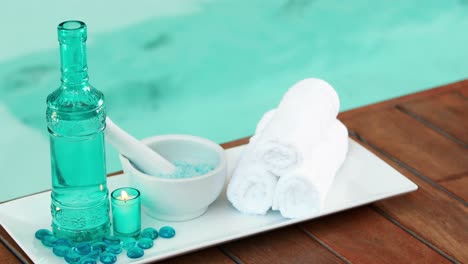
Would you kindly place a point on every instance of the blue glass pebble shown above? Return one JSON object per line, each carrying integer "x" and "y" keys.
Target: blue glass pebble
{"x": 135, "y": 252}
{"x": 101, "y": 246}
{"x": 94, "y": 254}
{"x": 108, "y": 258}
{"x": 82, "y": 248}
{"x": 145, "y": 243}
{"x": 72, "y": 257}
{"x": 88, "y": 261}
{"x": 128, "y": 242}
{"x": 167, "y": 232}
{"x": 63, "y": 242}
{"x": 61, "y": 250}
{"x": 111, "y": 240}
{"x": 41, "y": 233}
{"x": 149, "y": 233}
{"x": 114, "y": 249}
{"x": 49, "y": 241}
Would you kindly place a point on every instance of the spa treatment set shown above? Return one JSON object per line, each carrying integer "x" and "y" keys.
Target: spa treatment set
{"x": 288, "y": 165}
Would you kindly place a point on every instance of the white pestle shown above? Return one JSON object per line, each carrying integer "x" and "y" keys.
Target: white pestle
{"x": 146, "y": 159}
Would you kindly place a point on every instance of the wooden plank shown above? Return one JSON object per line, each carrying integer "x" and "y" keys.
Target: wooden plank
{"x": 6, "y": 256}
{"x": 285, "y": 245}
{"x": 463, "y": 92}
{"x": 434, "y": 216}
{"x": 429, "y": 213}
{"x": 235, "y": 143}
{"x": 411, "y": 142}
{"x": 458, "y": 184}
{"x": 447, "y": 112}
{"x": 364, "y": 236}
{"x": 208, "y": 256}
{"x": 461, "y": 86}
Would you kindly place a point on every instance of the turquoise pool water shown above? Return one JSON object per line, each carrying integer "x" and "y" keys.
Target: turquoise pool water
{"x": 213, "y": 70}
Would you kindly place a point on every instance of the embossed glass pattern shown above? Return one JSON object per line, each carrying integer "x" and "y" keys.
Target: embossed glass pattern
{"x": 76, "y": 121}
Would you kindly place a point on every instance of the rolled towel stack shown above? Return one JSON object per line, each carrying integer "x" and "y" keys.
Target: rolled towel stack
{"x": 290, "y": 162}
{"x": 302, "y": 191}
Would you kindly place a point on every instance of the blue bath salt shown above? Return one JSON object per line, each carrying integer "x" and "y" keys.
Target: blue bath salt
{"x": 149, "y": 233}
{"x": 188, "y": 170}
{"x": 128, "y": 242}
{"x": 49, "y": 241}
{"x": 145, "y": 243}
{"x": 114, "y": 249}
{"x": 82, "y": 248}
{"x": 167, "y": 232}
{"x": 41, "y": 233}
{"x": 108, "y": 258}
{"x": 61, "y": 250}
{"x": 135, "y": 252}
{"x": 72, "y": 257}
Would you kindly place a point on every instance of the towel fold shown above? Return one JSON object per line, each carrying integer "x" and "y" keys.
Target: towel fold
{"x": 302, "y": 192}
{"x": 293, "y": 129}
{"x": 251, "y": 188}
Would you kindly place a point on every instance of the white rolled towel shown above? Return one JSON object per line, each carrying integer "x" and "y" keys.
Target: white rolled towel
{"x": 267, "y": 116}
{"x": 279, "y": 143}
{"x": 303, "y": 115}
{"x": 251, "y": 188}
{"x": 302, "y": 192}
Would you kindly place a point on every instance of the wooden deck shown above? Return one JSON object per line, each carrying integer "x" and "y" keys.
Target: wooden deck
{"x": 425, "y": 137}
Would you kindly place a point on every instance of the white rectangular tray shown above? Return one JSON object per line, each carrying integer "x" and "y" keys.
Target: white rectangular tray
{"x": 364, "y": 178}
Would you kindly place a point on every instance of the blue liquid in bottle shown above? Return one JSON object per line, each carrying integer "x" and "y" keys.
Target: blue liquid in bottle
{"x": 76, "y": 122}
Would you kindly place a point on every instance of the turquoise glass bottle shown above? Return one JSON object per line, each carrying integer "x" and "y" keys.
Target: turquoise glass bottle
{"x": 76, "y": 122}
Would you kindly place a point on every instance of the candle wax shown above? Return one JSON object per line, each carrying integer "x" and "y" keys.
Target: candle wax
{"x": 126, "y": 212}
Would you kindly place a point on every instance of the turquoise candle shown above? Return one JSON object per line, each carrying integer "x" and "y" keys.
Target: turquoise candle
{"x": 126, "y": 212}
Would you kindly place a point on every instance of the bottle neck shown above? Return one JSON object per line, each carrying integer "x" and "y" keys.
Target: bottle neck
{"x": 73, "y": 64}
{"x": 72, "y": 38}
